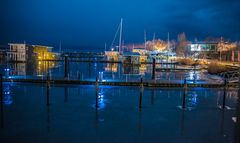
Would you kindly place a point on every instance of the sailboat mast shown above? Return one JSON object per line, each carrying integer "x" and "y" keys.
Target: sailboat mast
{"x": 145, "y": 39}
{"x": 120, "y": 36}
{"x": 168, "y": 42}
{"x": 60, "y": 47}
{"x": 168, "y": 48}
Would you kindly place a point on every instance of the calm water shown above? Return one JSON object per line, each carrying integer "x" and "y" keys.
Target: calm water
{"x": 89, "y": 71}
{"x": 72, "y": 116}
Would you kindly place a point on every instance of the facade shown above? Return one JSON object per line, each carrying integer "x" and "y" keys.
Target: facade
{"x": 2, "y": 55}
{"x": 141, "y": 51}
{"x": 143, "y": 54}
{"x": 44, "y": 52}
{"x": 131, "y": 58}
{"x": 112, "y": 55}
{"x": 19, "y": 52}
{"x": 203, "y": 46}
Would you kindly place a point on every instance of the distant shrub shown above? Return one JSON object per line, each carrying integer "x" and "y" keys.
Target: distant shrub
{"x": 186, "y": 61}
{"x": 215, "y": 67}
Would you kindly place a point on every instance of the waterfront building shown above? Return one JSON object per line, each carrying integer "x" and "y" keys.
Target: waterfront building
{"x": 143, "y": 53}
{"x": 131, "y": 58}
{"x": 112, "y": 55}
{"x": 19, "y": 52}
{"x": 44, "y": 52}
{"x": 203, "y": 46}
{"x": 2, "y": 54}
{"x": 111, "y": 67}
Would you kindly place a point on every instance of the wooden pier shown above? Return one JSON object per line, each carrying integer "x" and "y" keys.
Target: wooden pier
{"x": 149, "y": 83}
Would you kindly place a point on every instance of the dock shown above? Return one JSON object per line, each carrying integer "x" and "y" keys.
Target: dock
{"x": 145, "y": 83}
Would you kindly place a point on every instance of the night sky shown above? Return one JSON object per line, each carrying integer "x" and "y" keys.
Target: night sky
{"x": 88, "y": 24}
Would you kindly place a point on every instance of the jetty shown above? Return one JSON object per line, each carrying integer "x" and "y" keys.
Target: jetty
{"x": 145, "y": 83}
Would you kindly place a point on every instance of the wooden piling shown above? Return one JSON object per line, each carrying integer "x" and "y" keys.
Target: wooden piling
{"x": 79, "y": 76}
{"x": 96, "y": 98}
{"x": 141, "y": 93}
{"x": 66, "y": 66}
{"x": 1, "y": 87}
{"x": 224, "y": 94}
{"x": 48, "y": 88}
{"x": 184, "y": 94}
{"x": 153, "y": 68}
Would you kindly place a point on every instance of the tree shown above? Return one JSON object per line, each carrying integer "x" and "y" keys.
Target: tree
{"x": 182, "y": 45}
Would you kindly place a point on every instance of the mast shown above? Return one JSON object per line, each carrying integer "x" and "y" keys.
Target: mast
{"x": 145, "y": 39}
{"x": 120, "y": 36}
{"x": 168, "y": 49}
{"x": 105, "y": 48}
{"x": 60, "y": 47}
{"x": 154, "y": 36}
{"x": 168, "y": 42}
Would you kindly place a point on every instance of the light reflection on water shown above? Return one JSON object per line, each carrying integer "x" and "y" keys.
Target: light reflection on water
{"x": 7, "y": 93}
{"x": 102, "y": 101}
{"x": 91, "y": 70}
{"x": 118, "y": 117}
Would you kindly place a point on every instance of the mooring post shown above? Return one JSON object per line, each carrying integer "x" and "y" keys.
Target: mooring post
{"x": 79, "y": 76}
{"x": 48, "y": 88}
{"x": 184, "y": 94}
{"x": 153, "y": 68}
{"x": 97, "y": 92}
{"x": 65, "y": 66}
{"x": 224, "y": 93}
{"x": 141, "y": 93}
{"x": 1, "y": 87}
{"x": 239, "y": 80}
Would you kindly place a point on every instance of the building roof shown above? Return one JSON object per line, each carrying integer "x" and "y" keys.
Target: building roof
{"x": 139, "y": 49}
{"x": 42, "y": 46}
{"x": 131, "y": 54}
{"x": 16, "y": 44}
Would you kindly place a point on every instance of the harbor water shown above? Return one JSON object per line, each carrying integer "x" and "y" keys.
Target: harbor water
{"x": 68, "y": 113}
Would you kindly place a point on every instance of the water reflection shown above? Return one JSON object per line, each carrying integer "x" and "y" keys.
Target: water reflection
{"x": 111, "y": 67}
{"x": 2, "y": 112}
{"x": 182, "y": 125}
{"x": 153, "y": 95}
{"x": 131, "y": 69}
{"x": 237, "y": 123}
{"x": 158, "y": 121}
{"x": 44, "y": 67}
{"x": 101, "y": 101}
{"x": 7, "y": 94}
{"x": 90, "y": 70}
{"x": 191, "y": 100}
{"x": 23, "y": 69}
{"x": 65, "y": 94}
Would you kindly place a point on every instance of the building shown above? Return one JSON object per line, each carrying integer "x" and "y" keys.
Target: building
{"x": 2, "y": 54}
{"x": 143, "y": 53}
{"x": 44, "y": 52}
{"x": 19, "y": 52}
{"x": 112, "y": 55}
{"x": 203, "y": 46}
{"x": 131, "y": 58}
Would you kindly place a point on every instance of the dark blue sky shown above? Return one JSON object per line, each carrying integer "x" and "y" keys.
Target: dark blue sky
{"x": 90, "y": 23}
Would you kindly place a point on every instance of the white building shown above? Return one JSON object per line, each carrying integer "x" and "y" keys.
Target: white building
{"x": 19, "y": 52}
